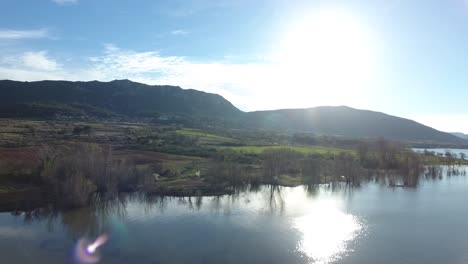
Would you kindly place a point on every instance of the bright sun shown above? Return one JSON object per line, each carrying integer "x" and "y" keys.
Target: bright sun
{"x": 330, "y": 56}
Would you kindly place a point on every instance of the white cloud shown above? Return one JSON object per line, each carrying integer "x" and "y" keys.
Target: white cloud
{"x": 38, "y": 65}
{"x": 39, "y": 61}
{"x": 241, "y": 83}
{"x": 179, "y": 32}
{"x": 19, "y": 74}
{"x": 10, "y": 34}
{"x": 64, "y": 2}
{"x": 250, "y": 86}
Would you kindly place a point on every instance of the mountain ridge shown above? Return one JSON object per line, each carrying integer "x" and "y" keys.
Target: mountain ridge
{"x": 351, "y": 122}
{"x": 125, "y": 98}
{"x": 460, "y": 135}
{"x": 122, "y": 97}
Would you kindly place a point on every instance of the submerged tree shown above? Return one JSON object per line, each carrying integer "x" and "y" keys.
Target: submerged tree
{"x": 76, "y": 171}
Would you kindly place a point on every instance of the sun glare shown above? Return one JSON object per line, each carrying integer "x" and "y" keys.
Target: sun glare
{"x": 326, "y": 231}
{"x": 329, "y": 55}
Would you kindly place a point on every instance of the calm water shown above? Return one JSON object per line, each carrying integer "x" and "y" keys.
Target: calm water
{"x": 443, "y": 150}
{"x": 370, "y": 224}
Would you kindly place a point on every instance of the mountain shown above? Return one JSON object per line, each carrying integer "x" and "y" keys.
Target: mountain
{"x": 460, "y": 135}
{"x": 106, "y": 99}
{"x": 349, "y": 122}
{"x": 127, "y": 99}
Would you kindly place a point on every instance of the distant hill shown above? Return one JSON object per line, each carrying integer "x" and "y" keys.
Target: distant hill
{"x": 127, "y": 99}
{"x": 107, "y": 99}
{"x": 460, "y": 135}
{"x": 349, "y": 122}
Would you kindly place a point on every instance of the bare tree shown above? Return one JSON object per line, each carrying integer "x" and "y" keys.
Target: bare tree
{"x": 462, "y": 155}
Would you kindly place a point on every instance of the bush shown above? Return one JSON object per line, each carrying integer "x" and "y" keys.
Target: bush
{"x": 312, "y": 168}
{"x": 73, "y": 173}
{"x": 277, "y": 162}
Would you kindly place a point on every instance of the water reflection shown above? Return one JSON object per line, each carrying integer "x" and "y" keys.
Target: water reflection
{"x": 326, "y": 231}
{"x": 267, "y": 224}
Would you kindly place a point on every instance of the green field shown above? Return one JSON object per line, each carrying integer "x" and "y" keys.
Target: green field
{"x": 202, "y": 135}
{"x": 304, "y": 150}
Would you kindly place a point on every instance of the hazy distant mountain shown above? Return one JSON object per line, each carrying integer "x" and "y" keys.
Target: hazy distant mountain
{"x": 350, "y": 122}
{"x": 460, "y": 135}
{"x": 126, "y": 99}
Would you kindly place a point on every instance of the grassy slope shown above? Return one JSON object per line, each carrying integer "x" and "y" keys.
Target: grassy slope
{"x": 304, "y": 150}
{"x": 202, "y": 135}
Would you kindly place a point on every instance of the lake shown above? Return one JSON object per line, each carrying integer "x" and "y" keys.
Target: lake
{"x": 327, "y": 224}
{"x": 438, "y": 151}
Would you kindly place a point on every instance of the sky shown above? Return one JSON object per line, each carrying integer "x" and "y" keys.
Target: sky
{"x": 401, "y": 57}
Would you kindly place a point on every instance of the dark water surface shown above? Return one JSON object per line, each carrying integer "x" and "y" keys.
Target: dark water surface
{"x": 326, "y": 224}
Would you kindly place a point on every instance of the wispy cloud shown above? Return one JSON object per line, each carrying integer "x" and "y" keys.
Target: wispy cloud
{"x": 39, "y": 65}
{"x": 250, "y": 86}
{"x": 39, "y": 61}
{"x": 31, "y": 60}
{"x": 11, "y": 34}
{"x": 179, "y": 32}
{"x": 183, "y": 8}
{"x": 237, "y": 82}
{"x": 65, "y": 2}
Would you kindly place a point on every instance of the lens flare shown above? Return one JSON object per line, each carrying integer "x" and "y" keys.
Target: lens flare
{"x": 86, "y": 252}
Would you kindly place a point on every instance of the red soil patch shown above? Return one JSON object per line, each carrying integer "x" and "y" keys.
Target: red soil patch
{"x": 143, "y": 156}
{"x": 26, "y": 154}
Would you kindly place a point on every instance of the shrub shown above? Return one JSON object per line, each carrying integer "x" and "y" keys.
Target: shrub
{"x": 73, "y": 173}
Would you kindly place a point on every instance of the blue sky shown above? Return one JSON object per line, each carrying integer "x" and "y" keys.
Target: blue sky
{"x": 406, "y": 58}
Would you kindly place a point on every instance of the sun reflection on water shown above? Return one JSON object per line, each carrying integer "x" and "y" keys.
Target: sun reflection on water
{"x": 326, "y": 232}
